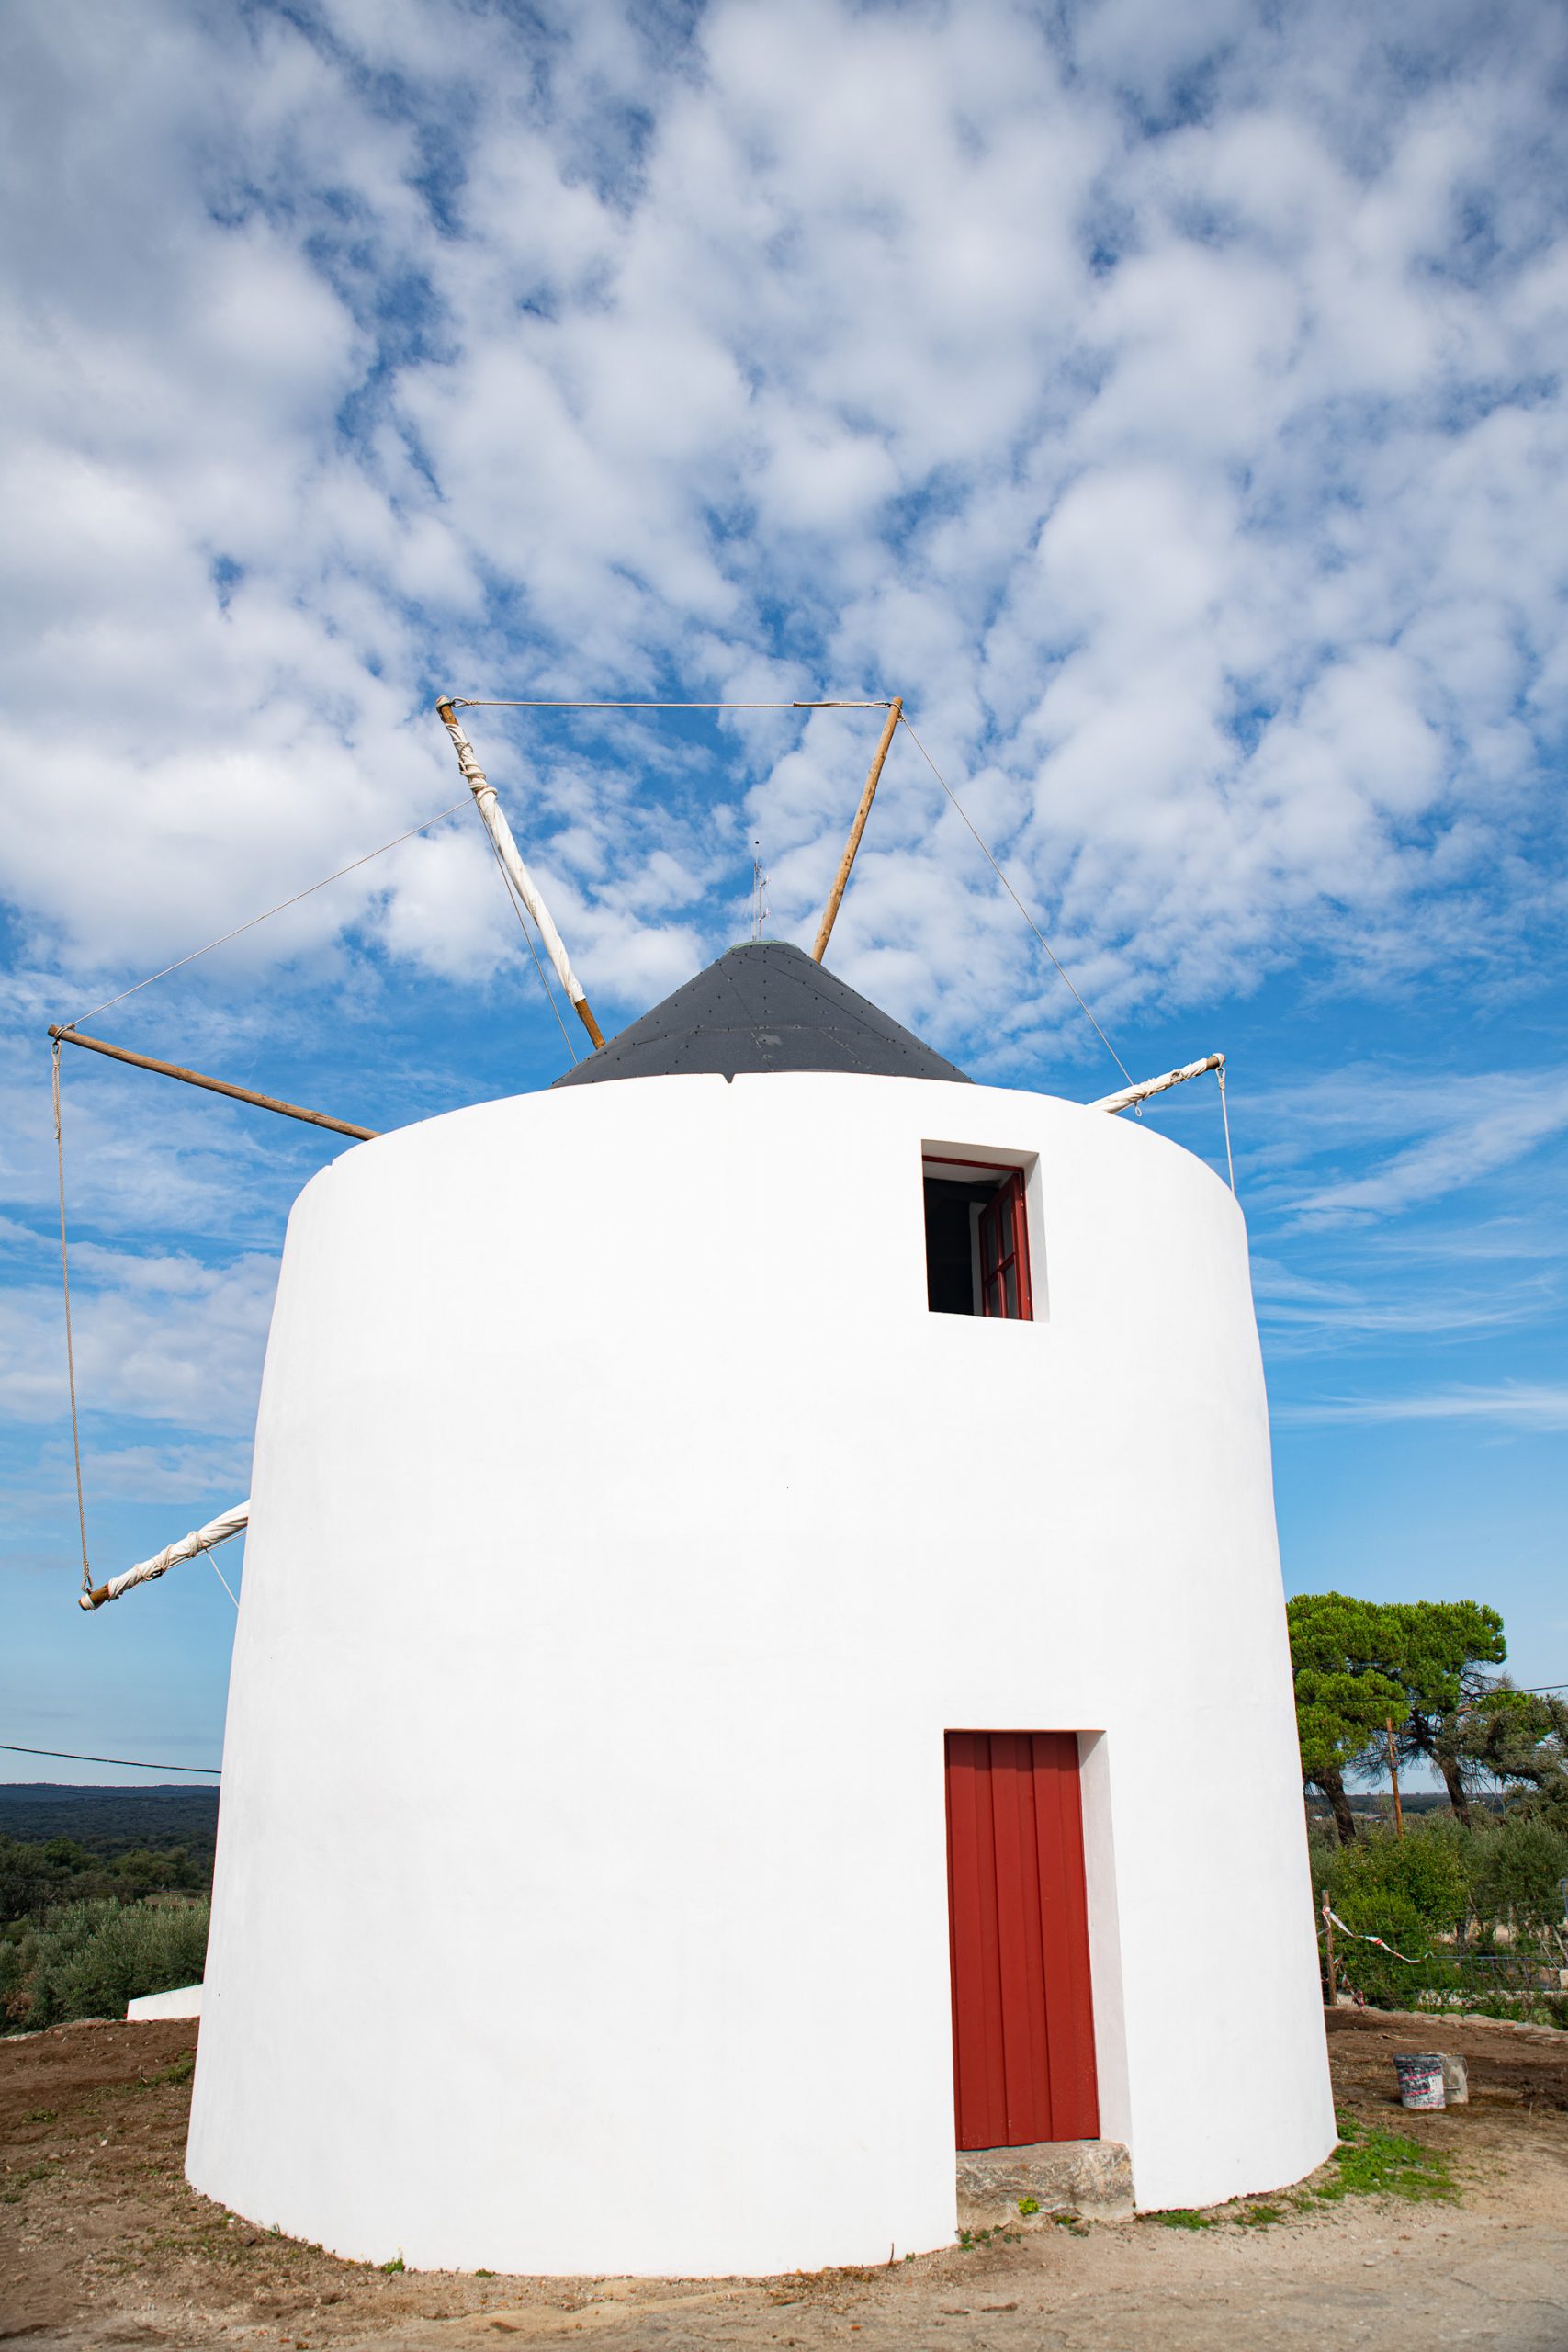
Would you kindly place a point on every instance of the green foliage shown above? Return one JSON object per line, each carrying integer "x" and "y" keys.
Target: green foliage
{"x": 178, "y": 2070}
{"x": 85, "y": 1927}
{"x": 19, "y": 2183}
{"x": 1442, "y": 1875}
{"x": 1027, "y": 2205}
{"x": 1370, "y": 2162}
{"x": 89, "y": 1959}
{"x": 1516, "y": 1869}
{"x": 1412, "y": 1671}
{"x": 1417, "y": 1883}
{"x": 1477, "y": 1909}
{"x": 108, "y": 1822}
{"x": 1343, "y": 1692}
{"x": 1521, "y": 1737}
{"x": 26, "y": 1881}
{"x": 1430, "y": 1645}
{"x": 36, "y": 1878}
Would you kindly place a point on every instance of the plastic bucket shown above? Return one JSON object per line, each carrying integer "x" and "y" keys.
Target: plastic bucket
{"x": 1421, "y": 2080}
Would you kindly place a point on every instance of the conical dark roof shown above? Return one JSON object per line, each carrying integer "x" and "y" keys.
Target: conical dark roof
{"x": 765, "y": 1006}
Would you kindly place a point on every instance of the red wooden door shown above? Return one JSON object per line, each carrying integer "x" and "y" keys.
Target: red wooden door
{"x": 1023, "y": 2014}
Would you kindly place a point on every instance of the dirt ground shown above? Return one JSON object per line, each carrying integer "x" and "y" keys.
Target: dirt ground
{"x": 102, "y": 2244}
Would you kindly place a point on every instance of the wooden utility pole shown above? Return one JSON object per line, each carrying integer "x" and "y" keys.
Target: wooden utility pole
{"x": 830, "y": 912}
{"x": 1394, "y": 1776}
{"x": 214, "y": 1085}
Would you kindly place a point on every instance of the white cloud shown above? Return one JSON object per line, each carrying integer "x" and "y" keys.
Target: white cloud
{"x": 175, "y": 1475}
{"x": 1515, "y": 1404}
{"x": 1168, "y": 400}
{"x": 1451, "y": 1133}
{"x": 1170, "y": 408}
{"x": 1301, "y": 1315}
{"x": 175, "y": 1343}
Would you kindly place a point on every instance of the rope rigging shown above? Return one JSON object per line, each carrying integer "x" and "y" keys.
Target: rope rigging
{"x": 180, "y": 961}
{"x": 526, "y": 902}
{"x": 517, "y": 907}
{"x": 70, "y": 1342}
{"x": 480, "y": 702}
{"x": 893, "y": 704}
{"x": 69, "y": 1029}
{"x": 1018, "y": 902}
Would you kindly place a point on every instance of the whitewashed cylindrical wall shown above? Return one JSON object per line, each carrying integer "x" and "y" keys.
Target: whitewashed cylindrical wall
{"x": 626, "y": 1535}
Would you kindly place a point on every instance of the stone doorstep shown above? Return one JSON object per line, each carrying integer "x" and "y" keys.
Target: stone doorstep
{"x": 1092, "y": 2177}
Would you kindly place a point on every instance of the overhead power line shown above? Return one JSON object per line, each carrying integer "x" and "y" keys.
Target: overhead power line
{"x": 134, "y": 1763}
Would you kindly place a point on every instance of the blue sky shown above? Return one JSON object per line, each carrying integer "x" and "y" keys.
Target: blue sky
{"x": 1167, "y": 403}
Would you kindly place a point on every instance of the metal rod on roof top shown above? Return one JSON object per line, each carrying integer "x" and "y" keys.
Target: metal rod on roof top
{"x": 493, "y": 818}
{"x": 835, "y": 896}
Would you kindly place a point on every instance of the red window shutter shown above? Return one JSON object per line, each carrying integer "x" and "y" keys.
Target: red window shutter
{"x": 1004, "y": 1253}
{"x": 1022, "y": 2008}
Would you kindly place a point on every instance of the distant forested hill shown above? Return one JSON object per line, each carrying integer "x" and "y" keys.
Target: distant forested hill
{"x": 110, "y": 1821}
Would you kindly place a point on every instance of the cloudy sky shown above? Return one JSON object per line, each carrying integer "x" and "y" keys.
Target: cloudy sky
{"x": 1168, "y": 402}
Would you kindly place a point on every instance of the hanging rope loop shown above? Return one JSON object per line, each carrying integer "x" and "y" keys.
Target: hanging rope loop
{"x": 65, "y": 1284}
{"x": 1225, "y": 1117}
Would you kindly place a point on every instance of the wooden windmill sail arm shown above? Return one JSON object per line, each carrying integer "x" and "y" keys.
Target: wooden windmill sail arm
{"x": 213, "y": 1085}
{"x": 221, "y": 1529}
{"x": 1145, "y": 1087}
{"x": 494, "y": 820}
{"x": 840, "y": 879}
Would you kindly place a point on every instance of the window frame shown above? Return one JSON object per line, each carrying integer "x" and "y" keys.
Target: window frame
{"x": 1007, "y": 1216}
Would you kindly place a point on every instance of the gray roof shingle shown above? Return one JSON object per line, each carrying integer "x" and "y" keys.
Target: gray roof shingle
{"x": 763, "y": 1006}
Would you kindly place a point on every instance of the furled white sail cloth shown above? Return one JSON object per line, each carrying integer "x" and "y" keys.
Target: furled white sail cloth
{"x": 1141, "y": 1093}
{"x": 227, "y": 1524}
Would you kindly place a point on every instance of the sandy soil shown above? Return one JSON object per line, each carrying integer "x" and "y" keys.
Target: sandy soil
{"x": 102, "y": 2244}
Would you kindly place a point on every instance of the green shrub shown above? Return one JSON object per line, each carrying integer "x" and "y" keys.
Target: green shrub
{"x": 1417, "y": 1879}
{"x": 90, "y": 1959}
{"x": 1408, "y": 1891}
{"x": 1439, "y": 1895}
{"x": 1516, "y": 1867}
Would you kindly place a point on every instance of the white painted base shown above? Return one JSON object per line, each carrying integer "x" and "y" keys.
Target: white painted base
{"x": 185, "y": 2001}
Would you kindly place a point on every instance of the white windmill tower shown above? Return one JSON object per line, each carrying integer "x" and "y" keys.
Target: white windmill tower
{"x": 654, "y": 1724}
{"x": 727, "y": 1532}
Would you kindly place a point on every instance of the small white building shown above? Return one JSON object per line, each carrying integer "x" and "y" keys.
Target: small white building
{"x": 719, "y": 1721}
